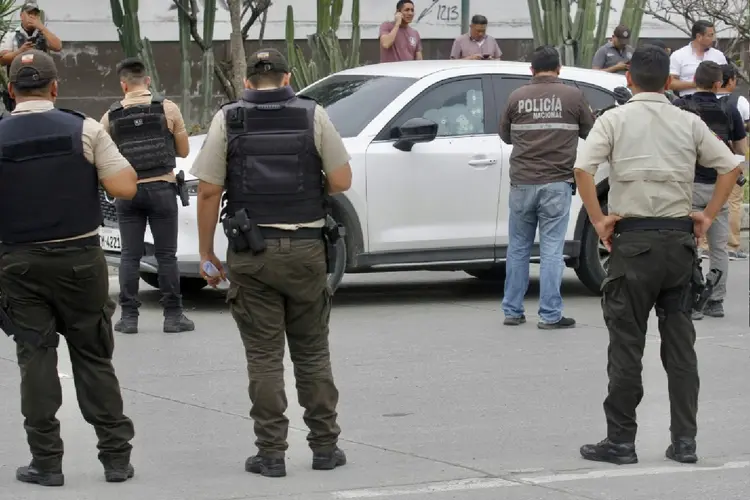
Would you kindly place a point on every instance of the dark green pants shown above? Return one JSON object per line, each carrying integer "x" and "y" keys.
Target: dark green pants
{"x": 66, "y": 290}
{"x": 283, "y": 290}
{"x": 650, "y": 269}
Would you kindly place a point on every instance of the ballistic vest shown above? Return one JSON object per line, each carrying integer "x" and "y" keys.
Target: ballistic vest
{"x": 717, "y": 114}
{"x": 274, "y": 170}
{"x": 142, "y": 134}
{"x": 40, "y": 44}
{"x": 48, "y": 189}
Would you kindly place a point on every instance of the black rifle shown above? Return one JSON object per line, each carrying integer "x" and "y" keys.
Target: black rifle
{"x": 18, "y": 335}
{"x": 702, "y": 289}
{"x": 182, "y": 189}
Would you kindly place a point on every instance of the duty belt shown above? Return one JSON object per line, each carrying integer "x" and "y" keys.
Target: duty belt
{"x": 303, "y": 233}
{"x": 88, "y": 241}
{"x": 682, "y": 224}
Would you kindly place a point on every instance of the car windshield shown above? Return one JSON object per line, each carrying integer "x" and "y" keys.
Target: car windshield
{"x": 352, "y": 101}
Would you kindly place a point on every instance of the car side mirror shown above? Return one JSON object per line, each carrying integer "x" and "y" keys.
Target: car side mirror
{"x": 414, "y": 131}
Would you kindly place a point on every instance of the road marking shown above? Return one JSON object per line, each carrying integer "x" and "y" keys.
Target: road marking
{"x": 491, "y": 483}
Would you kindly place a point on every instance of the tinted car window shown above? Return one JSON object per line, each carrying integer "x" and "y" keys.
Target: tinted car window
{"x": 505, "y": 86}
{"x": 598, "y": 98}
{"x": 352, "y": 101}
{"x": 456, "y": 106}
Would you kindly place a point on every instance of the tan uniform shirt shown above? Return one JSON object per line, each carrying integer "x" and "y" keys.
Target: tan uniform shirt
{"x": 98, "y": 147}
{"x": 652, "y": 147}
{"x": 211, "y": 163}
{"x": 175, "y": 122}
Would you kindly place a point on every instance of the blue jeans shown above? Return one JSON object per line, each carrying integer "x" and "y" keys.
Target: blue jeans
{"x": 547, "y": 205}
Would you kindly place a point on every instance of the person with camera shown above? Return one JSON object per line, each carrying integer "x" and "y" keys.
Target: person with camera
{"x": 726, "y": 123}
{"x": 476, "y": 44}
{"x": 31, "y": 34}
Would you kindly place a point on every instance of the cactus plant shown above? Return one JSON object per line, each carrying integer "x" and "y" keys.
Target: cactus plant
{"x": 186, "y": 81}
{"x": 125, "y": 19}
{"x": 207, "y": 84}
{"x": 325, "y": 47}
{"x": 577, "y": 39}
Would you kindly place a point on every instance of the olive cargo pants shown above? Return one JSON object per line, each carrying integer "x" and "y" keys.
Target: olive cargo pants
{"x": 66, "y": 290}
{"x": 284, "y": 289}
{"x": 650, "y": 269}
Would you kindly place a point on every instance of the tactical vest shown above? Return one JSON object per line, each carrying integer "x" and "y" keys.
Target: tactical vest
{"x": 274, "y": 170}
{"x": 41, "y": 40}
{"x": 48, "y": 189}
{"x": 143, "y": 136}
{"x": 718, "y": 116}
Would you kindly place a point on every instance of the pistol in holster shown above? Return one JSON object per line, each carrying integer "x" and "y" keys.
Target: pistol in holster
{"x": 182, "y": 191}
{"x": 243, "y": 234}
{"x": 332, "y": 233}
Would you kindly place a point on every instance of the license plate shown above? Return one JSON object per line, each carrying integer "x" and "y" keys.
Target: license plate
{"x": 110, "y": 239}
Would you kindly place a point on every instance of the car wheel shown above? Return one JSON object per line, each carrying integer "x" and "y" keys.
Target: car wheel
{"x": 594, "y": 258}
{"x": 187, "y": 285}
{"x": 339, "y": 268}
{"x": 496, "y": 273}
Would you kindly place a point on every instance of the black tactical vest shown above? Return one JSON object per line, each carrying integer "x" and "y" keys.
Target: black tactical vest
{"x": 717, "y": 114}
{"x": 48, "y": 189}
{"x": 142, "y": 134}
{"x": 40, "y": 41}
{"x": 274, "y": 170}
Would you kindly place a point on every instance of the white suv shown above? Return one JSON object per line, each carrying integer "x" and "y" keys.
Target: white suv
{"x": 422, "y": 197}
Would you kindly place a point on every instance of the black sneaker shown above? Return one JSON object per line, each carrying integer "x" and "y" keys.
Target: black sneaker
{"x": 328, "y": 460}
{"x": 265, "y": 466}
{"x": 682, "y": 450}
{"x": 34, "y": 475}
{"x": 714, "y": 309}
{"x": 613, "y": 453}
{"x": 177, "y": 324}
{"x": 511, "y": 321}
{"x": 118, "y": 474}
{"x": 562, "y": 323}
{"x": 127, "y": 324}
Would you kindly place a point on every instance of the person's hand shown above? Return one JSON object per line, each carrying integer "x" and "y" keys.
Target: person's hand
{"x": 605, "y": 228}
{"x": 36, "y": 22}
{"x": 701, "y": 223}
{"x": 475, "y": 56}
{"x": 26, "y": 46}
{"x": 213, "y": 281}
{"x": 398, "y": 18}
{"x": 621, "y": 66}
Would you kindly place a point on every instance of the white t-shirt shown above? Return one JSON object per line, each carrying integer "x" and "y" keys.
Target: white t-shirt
{"x": 10, "y": 41}
{"x": 743, "y": 105}
{"x": 684, "y": 62}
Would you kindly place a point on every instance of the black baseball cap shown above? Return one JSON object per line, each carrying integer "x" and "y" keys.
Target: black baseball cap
{"x": 30, "y": 7}
{"x": 32, "y": 69}
{"x": 622, "y": 32}
{"x": 267, "y": 61}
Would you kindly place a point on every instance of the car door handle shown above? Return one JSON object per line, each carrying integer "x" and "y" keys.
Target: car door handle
{"x": 486, "y": 162}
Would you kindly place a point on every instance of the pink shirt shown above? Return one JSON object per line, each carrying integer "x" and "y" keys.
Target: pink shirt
{"x": 405, "y": 46}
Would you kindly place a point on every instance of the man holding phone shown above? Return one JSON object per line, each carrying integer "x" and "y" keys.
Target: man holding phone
{"x": 398, "y": 40}
{"x": 614, "y": 56}
{"x": 476, "y": 44}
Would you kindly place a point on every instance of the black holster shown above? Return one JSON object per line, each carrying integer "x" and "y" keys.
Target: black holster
{"x": 332, "y": 233}
{"x": 182, "y": 189}
{"x": 703, "y": 288}
{"x": 243, "y": 234}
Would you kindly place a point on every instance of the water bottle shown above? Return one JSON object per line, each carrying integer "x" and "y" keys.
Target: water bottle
{"x": 211, "y": 270}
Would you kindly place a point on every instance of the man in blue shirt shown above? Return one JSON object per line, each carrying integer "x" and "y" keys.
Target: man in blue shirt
{"x": 726, "y": 122}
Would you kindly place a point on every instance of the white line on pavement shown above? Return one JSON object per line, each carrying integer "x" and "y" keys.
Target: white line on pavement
{"x": 490, "y": 483}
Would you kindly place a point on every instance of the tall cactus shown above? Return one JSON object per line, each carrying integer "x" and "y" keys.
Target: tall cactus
{"x": 577, "y": 39}
{"x": 125, "y": 19}
{"x": 186, "y": 80}
{"x": 325, "y": 47}
{"x": 207, "y": 84}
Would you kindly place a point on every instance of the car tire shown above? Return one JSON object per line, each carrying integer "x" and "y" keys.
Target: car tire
{"x": 591, "y": 268}
{"x": 187, "y": 285}
{"x": 339, "y": 269}
{"x": 496, "y": 273}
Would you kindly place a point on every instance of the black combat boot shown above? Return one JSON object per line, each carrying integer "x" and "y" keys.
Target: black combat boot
{"x": 118, "y": 474}
{"x": 328, "y": 460}
{"x": 176, "y": 323}
{"x": 128, "y": 323}
{"x": 44, "y": 477}
{"x": 608, "y": 451}
{"x": 266, "y": 466}
{"x": 682, "y": 450}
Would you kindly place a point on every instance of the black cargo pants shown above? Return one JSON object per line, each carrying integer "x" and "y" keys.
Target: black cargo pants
{"x": 65, "y": 289}
{"x": 650, "y": 269}
{"x": 284, "y": 290}
{"x": 155, "y": 203}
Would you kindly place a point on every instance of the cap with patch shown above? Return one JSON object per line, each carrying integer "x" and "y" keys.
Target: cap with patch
{"x": 267, "y": 61}
{"x": 32, "y": 69}
{"x": 30, "y": 7}
{"x": 623, "y": 32}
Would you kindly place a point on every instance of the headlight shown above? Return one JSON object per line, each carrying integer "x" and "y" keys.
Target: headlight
{"x": 192, "y": 187}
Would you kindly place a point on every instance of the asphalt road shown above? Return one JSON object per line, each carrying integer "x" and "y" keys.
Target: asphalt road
{"x": 438, "y": 401}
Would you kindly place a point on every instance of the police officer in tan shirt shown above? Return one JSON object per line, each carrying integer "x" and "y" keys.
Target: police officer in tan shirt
{"x": 651, "y": 232}
{"x": 150, "y": 132}
{"x": 53, "y": 274}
